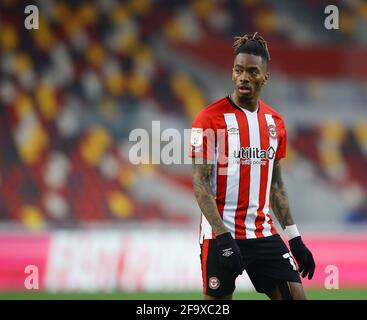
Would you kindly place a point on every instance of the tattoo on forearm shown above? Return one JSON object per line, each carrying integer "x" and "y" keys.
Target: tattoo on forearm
{"x": 201, "y": 174}
{"x": 279, "y": 198}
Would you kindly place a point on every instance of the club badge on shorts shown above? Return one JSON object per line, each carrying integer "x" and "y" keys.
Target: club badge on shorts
{"x": 214, "y": 283}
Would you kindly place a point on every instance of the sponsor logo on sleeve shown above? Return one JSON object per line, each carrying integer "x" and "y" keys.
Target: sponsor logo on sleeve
{"x": 196, "y": 137}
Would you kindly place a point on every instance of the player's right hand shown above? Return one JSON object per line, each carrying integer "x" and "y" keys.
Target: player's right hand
{"x": 304, "y": 258}
{"x": 230, "y": 256}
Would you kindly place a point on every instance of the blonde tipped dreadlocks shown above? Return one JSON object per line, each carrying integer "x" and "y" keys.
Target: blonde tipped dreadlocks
{"x": 253, "y": 44}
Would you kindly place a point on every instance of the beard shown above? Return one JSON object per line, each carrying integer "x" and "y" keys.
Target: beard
{"x": 243, "y": 98}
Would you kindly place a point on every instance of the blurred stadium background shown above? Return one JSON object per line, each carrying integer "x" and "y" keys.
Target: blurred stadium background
{"x": 97, "y": 226}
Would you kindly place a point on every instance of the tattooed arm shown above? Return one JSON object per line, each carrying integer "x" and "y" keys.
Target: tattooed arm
{"x": 229, "y": 253}
{"x": 280, "y": 205}
{"x": 201, "y": 174}
{"x": 279, "y": 198}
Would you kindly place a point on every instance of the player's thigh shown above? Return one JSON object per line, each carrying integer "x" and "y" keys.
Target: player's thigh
{"x": 287, "y": 291}
{"x": 273, "y": 269}
{"x": 276, "y": 283}
{"x": 275, "y": 278}
{"x": 218, "y": 283}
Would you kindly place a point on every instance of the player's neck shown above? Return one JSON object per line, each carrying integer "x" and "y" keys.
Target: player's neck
{"x": 250, "y": 105}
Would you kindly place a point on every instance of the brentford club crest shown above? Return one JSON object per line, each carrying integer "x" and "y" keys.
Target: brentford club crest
{"x": 214, "y": 283}
{"x": 272, "y": 131}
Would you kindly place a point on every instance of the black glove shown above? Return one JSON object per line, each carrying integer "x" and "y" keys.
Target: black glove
{"x": 229, "y": 253}
{"x": 303, "y": 256}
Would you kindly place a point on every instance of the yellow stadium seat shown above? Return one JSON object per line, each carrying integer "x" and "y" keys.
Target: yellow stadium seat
{"x": 127, "y": 177}
{"x": 143, "y": 56}
{"x": 95, "y": 54}
{"x": 119, "y": 14}
{"x": 138, "y": 85}
{"x": 361, "y": 9}
{"x": 265, "y": 21}
{"x": 87, "y": 14}
{"x": 330, "y": 157}
{"x": 203, "y": 8}
{"x": 347, "y": 22}
{"x": 31, "y": 149}
{"x": 43, "y": 37}
{"x": 61, "y": 12}
{"x": 128, "y": 44}
{"x": 120, "y": 204}
{"x": 360, "y": 132}
{"x": 31, "y": 217}
{"x": 95, "y": 144}
{"x": 8, "y": 37}
{"x": 46, "y": 101}
{"x": 23, "y": 105}
{"x": 333, "y": 131}
{"x": 72, "y": 27}
{"x": 140, "y": 7}
{"x": 191, "y": 96}
{"x": 173, "y": 30}
{"x": 115, "y": 83}
{"x": 193, "y": 104}
{"x": 22, "y": 63}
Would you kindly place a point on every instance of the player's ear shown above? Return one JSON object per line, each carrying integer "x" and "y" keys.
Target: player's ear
{"x": 266, "y": 78}
{"x": 233, "y": 74}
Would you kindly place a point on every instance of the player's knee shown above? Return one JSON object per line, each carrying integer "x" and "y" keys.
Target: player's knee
{"x": 297, "y": 291}
{"x": 291, "y": 290}
{"x": 284, "y": 290}
{"x": 224, "y": 297}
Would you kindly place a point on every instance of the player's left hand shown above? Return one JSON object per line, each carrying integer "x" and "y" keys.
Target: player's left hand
{"x": 303, "y": 256}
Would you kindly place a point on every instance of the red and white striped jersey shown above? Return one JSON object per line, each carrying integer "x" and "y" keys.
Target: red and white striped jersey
{"x": 243, "y": 151}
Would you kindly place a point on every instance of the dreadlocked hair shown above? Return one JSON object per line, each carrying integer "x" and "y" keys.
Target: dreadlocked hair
{"x": 251, "y": 44}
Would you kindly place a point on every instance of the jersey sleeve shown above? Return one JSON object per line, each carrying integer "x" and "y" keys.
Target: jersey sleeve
{"x": 282, "y": 141}
{"x": 202, "y": 138}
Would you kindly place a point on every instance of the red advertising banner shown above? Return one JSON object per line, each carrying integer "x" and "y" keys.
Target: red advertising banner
{"x": 22, "y": 255}
{"x": 169, "y": 261}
